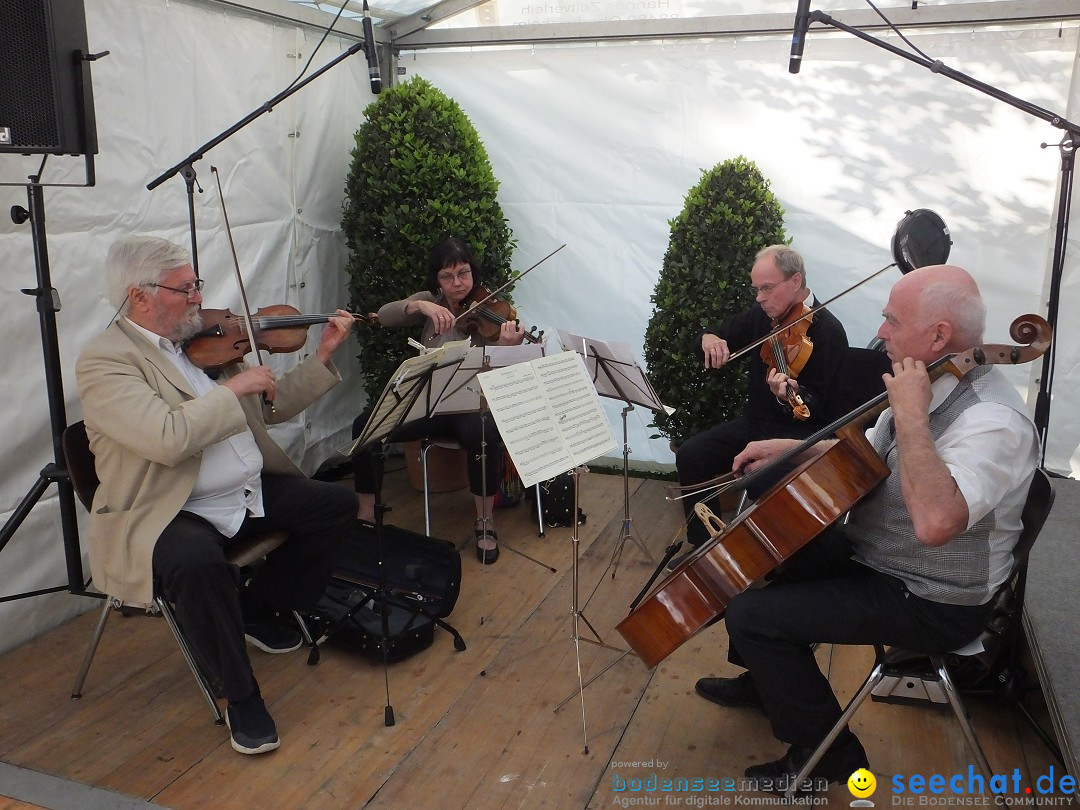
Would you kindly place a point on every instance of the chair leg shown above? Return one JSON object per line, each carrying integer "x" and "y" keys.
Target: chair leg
{"x": 427, "y": 494}
{"x": 539, "y": 511}
{"x": 872, "y": 680}
{"x": 99, "y": 628}
{"x": 185, "y": 650}
{"x": 961, "y": 715}
{"x": 309, "y": 641}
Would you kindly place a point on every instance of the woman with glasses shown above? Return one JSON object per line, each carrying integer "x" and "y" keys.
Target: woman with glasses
{"x": 452, "y": 273}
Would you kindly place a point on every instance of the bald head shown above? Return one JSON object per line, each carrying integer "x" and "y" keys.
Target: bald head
{"x": 933, "y": 311}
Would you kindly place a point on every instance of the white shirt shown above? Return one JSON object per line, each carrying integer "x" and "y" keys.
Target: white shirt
{"x": 229, "y": 486}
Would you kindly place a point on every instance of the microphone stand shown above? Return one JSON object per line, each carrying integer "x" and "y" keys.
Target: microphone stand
{"x": 187, "y": 165}
{"x": 1066, "y": 148}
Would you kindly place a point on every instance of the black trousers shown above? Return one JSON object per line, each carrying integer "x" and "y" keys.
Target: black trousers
{"x": 469, "y": 429}
{"x": 189, "y": 563}
{"x": 710, "y": 453}
{"x": 822, "y": 596}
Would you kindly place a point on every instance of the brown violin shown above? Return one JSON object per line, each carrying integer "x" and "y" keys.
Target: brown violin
{"x": 810, "y": 499}
{"x": 787, "y": 350}
{"x": 224, "y": 337}
{"x": 480, "y": 313}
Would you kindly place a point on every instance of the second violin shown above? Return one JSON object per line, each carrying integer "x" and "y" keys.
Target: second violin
{"x": 482, "y": 314}
{"x": 788, "y": 349}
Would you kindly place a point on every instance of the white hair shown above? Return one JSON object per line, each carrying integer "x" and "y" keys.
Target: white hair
{"x": 135, "y": 261}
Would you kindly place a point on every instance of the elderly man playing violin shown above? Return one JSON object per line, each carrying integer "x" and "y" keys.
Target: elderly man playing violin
{"x": 921, "y": 556}
{"x": 187, "y": 467}
{"x": 452, "y": 276}
{"x": 778, "y": 279}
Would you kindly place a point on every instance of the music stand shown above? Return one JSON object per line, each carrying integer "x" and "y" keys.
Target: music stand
{"x": 410, "y": 394}
{"x": 551, "y": 421}
{"x": 616, "y": 375}
{"x": 458, "y": 394}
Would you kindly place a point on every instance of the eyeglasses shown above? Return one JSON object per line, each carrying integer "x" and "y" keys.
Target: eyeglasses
{"x": 447, "y": 278}
{"x": 765, "y": 289}
{"x": 188, "y": 289}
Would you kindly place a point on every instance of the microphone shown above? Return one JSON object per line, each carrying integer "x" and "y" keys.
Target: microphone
{"x": 372, "y": 54}
{"x": 798, "y": 35}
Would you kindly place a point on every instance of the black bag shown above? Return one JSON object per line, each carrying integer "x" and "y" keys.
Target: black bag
{"x": 422, "y": 579}
{"x": 557, "y": 501}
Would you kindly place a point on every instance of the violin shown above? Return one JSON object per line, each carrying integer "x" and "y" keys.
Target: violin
{"x": 281, "y": 328}
{"x": 480, "y": 313}
{"x": 791, "y": 514}
{"x": 787, "y": 350}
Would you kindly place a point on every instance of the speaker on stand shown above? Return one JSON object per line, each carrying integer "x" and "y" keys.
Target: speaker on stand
{"x": 46, "y": 99}
{"x": 47, "y": 108}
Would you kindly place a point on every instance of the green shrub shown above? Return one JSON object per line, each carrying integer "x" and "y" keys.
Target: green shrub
{"x": 419, "y": 173}
{"x": 727, "y": 218}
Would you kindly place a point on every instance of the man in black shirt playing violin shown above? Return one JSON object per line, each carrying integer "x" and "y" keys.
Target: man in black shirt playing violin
{"x": 778, "y": 277}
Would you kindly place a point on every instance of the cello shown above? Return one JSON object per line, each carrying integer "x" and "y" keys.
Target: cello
{"x": 807, "y": 501}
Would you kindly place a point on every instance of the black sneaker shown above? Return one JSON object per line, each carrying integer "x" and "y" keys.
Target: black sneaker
{"x": 739, "y": 692}
{"x": 271, "y": 637}
{"x": 251, "y": 726}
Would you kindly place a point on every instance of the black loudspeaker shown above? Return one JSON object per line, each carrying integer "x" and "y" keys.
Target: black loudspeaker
{"x": 46, "y": 101}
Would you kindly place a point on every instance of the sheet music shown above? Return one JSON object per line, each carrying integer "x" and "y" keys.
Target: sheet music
{"x": 615, "y": 371}
{"x": 406, "y": 383}
{"x": 457, "y": 389}
{"x": 548, "y": 414}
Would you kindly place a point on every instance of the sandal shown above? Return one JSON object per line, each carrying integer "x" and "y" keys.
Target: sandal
{"x": 486, "y": 554}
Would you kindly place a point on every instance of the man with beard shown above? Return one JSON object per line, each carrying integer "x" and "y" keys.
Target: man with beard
{"x": 187, "y": 468}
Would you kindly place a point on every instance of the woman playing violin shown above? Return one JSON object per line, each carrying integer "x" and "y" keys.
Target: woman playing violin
{"x": 443, "y": 308}
{"x": 778, "y": 279}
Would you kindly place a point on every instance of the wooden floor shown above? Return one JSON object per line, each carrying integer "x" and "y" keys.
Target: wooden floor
{"x": 473, "y": 729}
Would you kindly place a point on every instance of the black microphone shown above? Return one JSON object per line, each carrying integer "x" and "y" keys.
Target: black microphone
{"x": 372, "y": 55}
{"x": 798, "y": 35}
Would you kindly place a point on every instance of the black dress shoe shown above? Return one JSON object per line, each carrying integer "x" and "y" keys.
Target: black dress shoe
{"x": 844, "y": 757}
{"x": 739, "y": 692}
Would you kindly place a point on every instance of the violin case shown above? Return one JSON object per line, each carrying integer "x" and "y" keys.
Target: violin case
{"x": 390, "y": 611}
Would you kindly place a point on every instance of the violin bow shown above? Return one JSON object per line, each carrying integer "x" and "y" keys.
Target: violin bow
{"x": 808, "y": 314}
{"x": 514, "y": 280}
{"x": 245, "y": 316}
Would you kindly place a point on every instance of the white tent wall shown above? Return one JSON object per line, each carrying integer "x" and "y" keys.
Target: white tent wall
{"x": 596, "y": 146}
{"x": 179, "y": 73}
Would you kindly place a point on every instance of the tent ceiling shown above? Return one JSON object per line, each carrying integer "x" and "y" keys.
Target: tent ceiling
{"x": 420, "y": 24}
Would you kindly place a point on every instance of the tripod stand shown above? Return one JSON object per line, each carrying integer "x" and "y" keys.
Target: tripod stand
{"x": 550, "y": 417}
{"x": 48, "y": 304}
{"x": 411, "y": 394}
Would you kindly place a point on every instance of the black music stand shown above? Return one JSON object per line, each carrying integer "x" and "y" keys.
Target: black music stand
{"x": 412, "y": 393}
{"x": 616, "y": 375}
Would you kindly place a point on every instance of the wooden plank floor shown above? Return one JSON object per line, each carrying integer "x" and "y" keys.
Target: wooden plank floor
{"x": 473, "y": 729}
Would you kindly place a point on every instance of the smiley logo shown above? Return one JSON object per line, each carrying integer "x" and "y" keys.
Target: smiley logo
{"x": 862, "y": 783}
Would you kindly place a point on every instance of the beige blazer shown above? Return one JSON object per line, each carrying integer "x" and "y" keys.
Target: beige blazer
{"x": 147, "y": 429}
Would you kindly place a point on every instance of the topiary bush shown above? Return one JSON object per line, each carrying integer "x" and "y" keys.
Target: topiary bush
{"x": 419, "y": 173}
{"x": 727, "y": 218}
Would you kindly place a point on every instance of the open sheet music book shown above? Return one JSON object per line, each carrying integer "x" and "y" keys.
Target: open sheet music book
{"x": 548, "y": 414}
{"x": 406, "y": 385}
